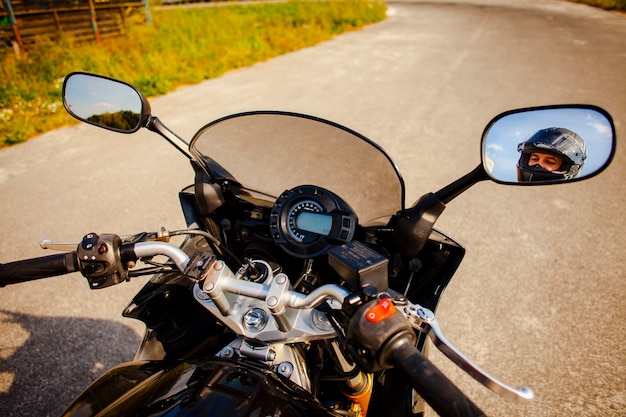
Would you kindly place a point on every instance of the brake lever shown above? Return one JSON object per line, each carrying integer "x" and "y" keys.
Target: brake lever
{"x": 425, "y": 321}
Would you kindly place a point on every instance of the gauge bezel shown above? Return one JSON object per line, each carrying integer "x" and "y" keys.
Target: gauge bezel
{"x": 311, "y": 244}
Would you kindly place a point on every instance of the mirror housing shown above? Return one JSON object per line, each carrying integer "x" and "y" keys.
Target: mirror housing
{"x": 548, "y": 145}
{"x": 105, "y": 102}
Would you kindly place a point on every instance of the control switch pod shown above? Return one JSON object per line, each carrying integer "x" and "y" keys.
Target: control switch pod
{"x": 100, "y": 260}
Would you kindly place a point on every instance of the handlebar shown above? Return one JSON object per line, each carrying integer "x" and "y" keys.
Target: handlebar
{"x": 433, "y": 386}
{"x": 101, "y": 259}
{"x": 379, "y": 337}
{"x": 37, "y": 268}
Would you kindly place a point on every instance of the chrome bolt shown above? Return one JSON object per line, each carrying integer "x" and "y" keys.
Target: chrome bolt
{"x": 227, "y": 352}
{"x": 255, "y": 320}
{"x": 272, "y": 301}
{"x": 285, "y": 369}
{"x": 425, "y": 314}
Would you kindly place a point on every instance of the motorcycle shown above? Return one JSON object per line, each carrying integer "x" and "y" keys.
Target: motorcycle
{"x": 304, "y": 289}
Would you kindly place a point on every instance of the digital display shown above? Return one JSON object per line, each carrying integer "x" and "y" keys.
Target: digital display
{"x": 302, "y": 223}
{"x": 317, "y": 223}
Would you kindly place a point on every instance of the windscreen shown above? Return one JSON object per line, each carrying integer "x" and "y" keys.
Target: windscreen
{"x": 271, "y": 152}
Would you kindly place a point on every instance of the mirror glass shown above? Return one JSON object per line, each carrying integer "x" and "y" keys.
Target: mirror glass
{"x": 103, "y": 102}
{"x": 547, "y": 145}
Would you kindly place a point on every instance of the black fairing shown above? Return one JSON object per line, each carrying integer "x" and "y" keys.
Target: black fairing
{"x": 201, "y": 387}
{"x": 176, "y": 325}
{"x": 424, "y": 277}
{"x": 433, "y": 269}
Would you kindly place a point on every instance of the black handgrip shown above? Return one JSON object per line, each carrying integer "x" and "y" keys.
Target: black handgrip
{"x": 37, "y": 268}
{"x": 434, "y": 387}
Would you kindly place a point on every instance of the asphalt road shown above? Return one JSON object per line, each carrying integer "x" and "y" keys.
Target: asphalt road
{"x": 539, "y": 299}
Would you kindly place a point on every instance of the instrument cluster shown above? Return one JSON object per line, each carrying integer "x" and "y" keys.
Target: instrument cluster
{"x": 308, "y": 221}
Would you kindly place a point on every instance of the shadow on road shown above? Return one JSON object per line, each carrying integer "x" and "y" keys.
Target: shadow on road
{"x": 31, "y": 384}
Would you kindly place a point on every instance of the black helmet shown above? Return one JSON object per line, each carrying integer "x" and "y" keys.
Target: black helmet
{"x": 556, "y": 141}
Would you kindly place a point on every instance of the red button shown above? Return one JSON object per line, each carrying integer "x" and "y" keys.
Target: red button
{"x": 382, "y": 310}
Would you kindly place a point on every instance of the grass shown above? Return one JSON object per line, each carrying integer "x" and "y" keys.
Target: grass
{"x": 619, "y": 5}
{"x": 182, "y": 46}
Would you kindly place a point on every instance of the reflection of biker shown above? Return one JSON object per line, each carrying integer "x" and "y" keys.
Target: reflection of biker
{"x": 549, "y": 154}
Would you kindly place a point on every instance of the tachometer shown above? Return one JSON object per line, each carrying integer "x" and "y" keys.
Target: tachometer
{"x": 307, "y": 221}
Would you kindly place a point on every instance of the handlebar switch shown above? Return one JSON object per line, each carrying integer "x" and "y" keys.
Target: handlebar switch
{"x": 100, "y": 260}
{"x": 373, "y": 333}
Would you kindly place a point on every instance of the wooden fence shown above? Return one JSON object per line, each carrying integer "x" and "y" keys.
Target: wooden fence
{"x": 23, "y": 23}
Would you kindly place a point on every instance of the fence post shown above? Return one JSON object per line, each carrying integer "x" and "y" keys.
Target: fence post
{"x": 94, "y": 23}
{"x": 13, "y": 22}
{"x": 146, "y": 4}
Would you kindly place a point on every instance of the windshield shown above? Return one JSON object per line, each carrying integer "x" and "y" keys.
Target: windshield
{"x": 271, "y": 152}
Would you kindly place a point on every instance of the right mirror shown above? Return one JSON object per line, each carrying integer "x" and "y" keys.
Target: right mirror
{"x": 544, "y": 145}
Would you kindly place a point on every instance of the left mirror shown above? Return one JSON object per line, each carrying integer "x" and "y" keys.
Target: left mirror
{"x": 104, "y": 102}
{"x": 545, "y": 145}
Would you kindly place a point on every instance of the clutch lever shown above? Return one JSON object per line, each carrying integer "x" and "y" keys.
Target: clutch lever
{"x": 58, "y": 246}
{"x": 425, "y": 321}
{"x": 162, "y": 235}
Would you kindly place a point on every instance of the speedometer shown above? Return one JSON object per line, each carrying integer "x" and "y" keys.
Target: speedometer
{"x": 307, "y": 221}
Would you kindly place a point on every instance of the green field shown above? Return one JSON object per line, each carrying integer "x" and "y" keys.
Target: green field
{"x": 182, "y": 46}
{"x": 619, "y": 5}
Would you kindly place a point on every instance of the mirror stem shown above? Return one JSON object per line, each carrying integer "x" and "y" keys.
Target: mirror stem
{"x": 450, "y": 192}
{"x": 155, "y": 125}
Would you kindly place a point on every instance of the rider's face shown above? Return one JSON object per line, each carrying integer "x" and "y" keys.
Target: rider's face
{"x": 547, "y": 161}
